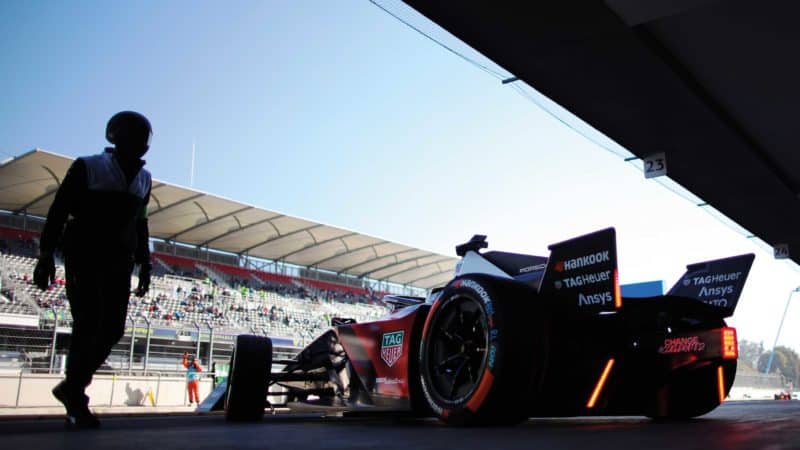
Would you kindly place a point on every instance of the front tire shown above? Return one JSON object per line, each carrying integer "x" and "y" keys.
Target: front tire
{"x": 248, "y": 378}
{"x": 483, "y": 351}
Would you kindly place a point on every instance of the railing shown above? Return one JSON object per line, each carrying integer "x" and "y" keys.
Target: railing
{"x": 759, "y": 380}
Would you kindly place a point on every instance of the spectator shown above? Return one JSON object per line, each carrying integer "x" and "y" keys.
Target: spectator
{"x": 193, "y": 370}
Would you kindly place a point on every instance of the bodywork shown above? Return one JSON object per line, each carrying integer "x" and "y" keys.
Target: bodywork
{"x": 607, "y": 353}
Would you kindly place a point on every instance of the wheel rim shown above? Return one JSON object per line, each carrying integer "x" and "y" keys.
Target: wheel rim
{"x": 457, "y": 348}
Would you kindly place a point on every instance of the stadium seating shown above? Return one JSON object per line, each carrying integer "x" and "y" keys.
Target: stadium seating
{"x": 188, "y": 293}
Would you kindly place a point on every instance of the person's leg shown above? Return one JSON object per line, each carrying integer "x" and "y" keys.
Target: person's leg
{"x": 115, "y": 292}
{"x": 83, "y": 294}
{"x": 193, "y": 385}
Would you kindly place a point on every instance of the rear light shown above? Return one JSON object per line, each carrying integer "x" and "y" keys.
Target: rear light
{"x": 730, "y": 347}
{"x": 600, "y": 383}
{"x": 721, "y": 384}
{"x": 617, "y": 293}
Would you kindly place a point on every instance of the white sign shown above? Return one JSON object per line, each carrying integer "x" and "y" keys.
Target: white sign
{"x": 781, "y": 251}
{"x": 655, "y": 165}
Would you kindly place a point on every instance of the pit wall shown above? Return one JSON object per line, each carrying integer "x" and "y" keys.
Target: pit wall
{"x": 748, "y": 393}
{"x": 33, "y": 390}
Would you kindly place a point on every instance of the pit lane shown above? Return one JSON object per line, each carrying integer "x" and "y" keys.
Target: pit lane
{"x": 734, "y": 425}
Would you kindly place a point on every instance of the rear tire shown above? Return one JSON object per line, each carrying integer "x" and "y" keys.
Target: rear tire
{"x": 248, "y": 378}
{"x": 483, "y": 352}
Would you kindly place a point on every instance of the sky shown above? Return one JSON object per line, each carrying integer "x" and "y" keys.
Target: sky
{"x": 338, "y": 113}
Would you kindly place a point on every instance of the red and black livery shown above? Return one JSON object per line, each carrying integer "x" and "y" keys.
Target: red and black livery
{"x": 515, "y": 336}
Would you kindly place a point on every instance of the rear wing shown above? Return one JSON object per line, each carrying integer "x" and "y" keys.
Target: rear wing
{"x": 718, "y": 283}
{"x": 583, "y": 271}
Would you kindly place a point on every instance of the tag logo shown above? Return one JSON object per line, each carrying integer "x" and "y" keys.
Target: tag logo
{"x": 392, "y": 347}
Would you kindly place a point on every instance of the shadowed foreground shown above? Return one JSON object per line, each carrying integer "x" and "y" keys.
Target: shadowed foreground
{"x": 734, "y": 425}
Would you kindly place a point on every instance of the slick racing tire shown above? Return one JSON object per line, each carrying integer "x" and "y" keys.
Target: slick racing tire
{"x": 248, "y": 378}
{"x": 693, "y": 393}
{"x": 483, "y": 352}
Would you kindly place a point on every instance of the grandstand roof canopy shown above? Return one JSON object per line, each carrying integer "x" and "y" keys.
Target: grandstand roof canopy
{"x": 28, "y": 184}
{"x": 712, "y": 84}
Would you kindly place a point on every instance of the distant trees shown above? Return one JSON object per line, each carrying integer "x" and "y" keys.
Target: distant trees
{"x": 750, "y": 352}
{"x": 786, "y": 362}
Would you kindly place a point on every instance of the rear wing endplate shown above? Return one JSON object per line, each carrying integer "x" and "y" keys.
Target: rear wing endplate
{"x": 583, "y": 272}
{"x": 718, "y": 283}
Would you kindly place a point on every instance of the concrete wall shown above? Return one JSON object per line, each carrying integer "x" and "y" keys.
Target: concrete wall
{"x": 750, "y": 393}
{"x": 31, "y": 390}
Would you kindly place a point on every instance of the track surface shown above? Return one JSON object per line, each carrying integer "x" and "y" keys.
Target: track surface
{"x": 751, "y": 425}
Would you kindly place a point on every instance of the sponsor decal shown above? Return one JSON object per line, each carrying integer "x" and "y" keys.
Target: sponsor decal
{"x": 458, "y": 266}
{"x": 687, "y": 282}
{"x": 532, "y": 268}
{"x": 589, "y": 278}
{"x": 721, "y": 302}
{"x": 559, "y": 267}
{"x": 492, "y": 355}
{"x": 717, "y": 278}
{"x": 389, "y": 381}
{"x": 585, "y": 261}
{"x": 690, "y": 344}
{"x": 595, "y": 299}
{"x": 493, "y": 334}
{"x": 557, "y": 284}
{"x": 392, "y": 347}
{"x": 715, "y": 291}
{"x": 487, "y": 302}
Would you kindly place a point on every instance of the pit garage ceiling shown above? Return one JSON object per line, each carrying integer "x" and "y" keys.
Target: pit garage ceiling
{"x": 715, "y": 85}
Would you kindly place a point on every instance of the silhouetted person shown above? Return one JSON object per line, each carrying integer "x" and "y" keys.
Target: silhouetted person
{"x": 99, "y": 221}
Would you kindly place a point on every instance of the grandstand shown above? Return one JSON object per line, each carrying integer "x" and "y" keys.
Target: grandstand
{"x": 279, "y": 306}
{"x": 220, "y": 268}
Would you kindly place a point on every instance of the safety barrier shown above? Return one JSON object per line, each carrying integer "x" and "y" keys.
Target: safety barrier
{"x": 107, "y": 389}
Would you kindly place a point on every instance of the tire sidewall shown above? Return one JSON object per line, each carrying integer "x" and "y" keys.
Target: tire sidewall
{"x": 248, "y": 378}
{"x": 470, "y": 407}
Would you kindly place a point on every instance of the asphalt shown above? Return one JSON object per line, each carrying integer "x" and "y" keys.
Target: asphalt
{"x": 772, "y": 425}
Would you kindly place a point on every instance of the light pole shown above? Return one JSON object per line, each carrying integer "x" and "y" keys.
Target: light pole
{"x": 785, "y": 310}
{"x": 133, "y": 340}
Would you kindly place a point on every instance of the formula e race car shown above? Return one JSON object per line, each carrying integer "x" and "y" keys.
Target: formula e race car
{"x": 514, "y": 336}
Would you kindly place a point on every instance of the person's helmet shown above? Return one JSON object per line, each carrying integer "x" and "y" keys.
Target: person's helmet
{"x": 129, "y": 127}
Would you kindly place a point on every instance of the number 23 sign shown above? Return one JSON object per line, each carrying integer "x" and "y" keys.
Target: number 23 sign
{"x": 655, "y": 165}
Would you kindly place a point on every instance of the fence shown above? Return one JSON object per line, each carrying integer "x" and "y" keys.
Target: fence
{"x": 760, "y": 381}
{"x": 143, "y": 349}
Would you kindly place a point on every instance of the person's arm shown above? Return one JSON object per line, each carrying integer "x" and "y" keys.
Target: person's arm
{"x": 142, "y": 252}
{"x": 186, "y": 360}
{"x": 72, "y": 187}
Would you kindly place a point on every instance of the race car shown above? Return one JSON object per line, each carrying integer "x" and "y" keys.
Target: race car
{"x": 513, "y": 336}
{"x": 783, "y": 395}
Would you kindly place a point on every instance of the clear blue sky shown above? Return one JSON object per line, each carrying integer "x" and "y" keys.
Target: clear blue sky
{"x": 336, "y": 112}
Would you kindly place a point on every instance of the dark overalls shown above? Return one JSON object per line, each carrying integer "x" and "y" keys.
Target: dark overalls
{"x": 99, "y": 220}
